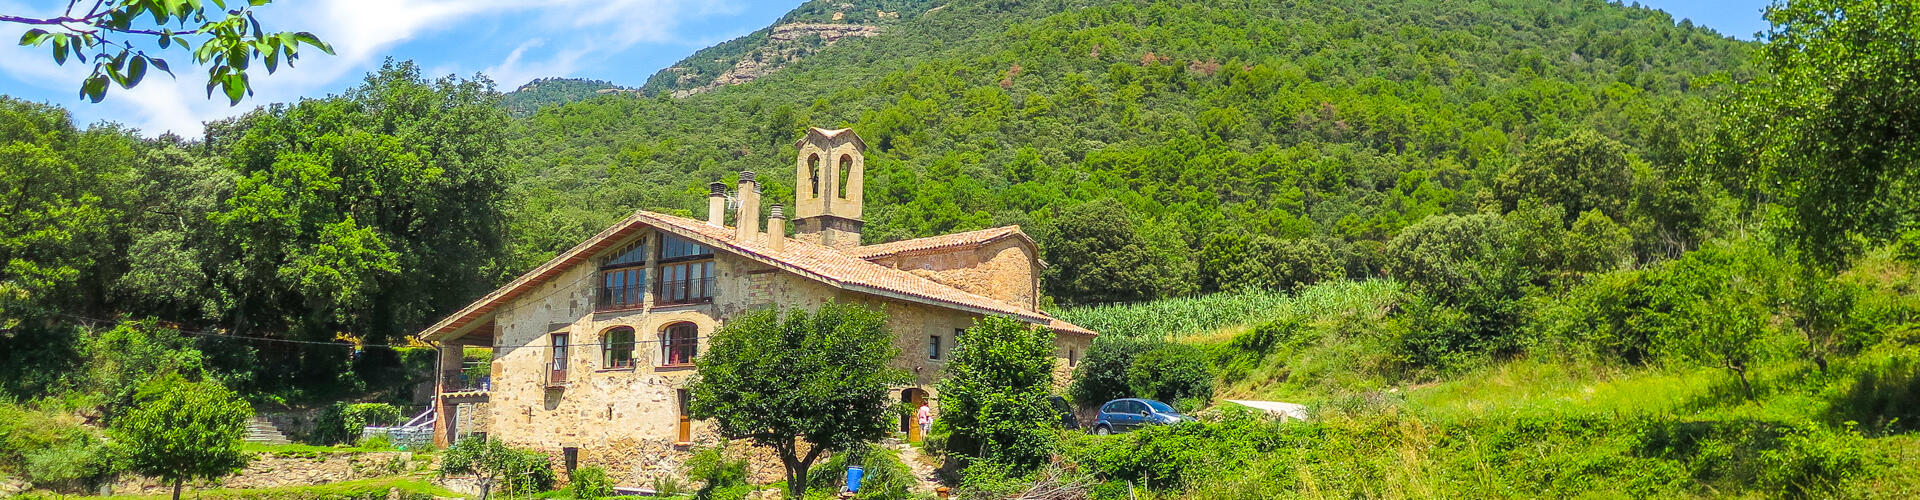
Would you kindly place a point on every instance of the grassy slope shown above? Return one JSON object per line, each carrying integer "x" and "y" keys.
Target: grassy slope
{"x": 1547, "y": 424}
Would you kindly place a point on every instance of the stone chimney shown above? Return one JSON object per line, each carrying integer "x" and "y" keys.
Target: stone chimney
{"x": 717, "y": 205}
{"x": 747, "y": 221}
{"x": 777, "y": 229}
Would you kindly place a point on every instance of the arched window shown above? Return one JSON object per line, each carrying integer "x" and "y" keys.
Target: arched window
{"x": 846, "y": 172}
{"x": 678, "y": 343}
{"x": 813, "y": 173}
{"x": 616, "y": 348}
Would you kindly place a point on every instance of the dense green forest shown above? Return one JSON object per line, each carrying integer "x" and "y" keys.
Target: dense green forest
{"x": 1394, "y": 194}
{"x": 543, "y": 92}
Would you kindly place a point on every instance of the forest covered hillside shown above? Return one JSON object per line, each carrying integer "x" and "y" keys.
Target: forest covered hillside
{"x": 1338, "y": 122}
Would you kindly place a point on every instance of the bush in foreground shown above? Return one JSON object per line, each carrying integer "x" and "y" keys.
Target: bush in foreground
{"x": 517, "y": 471}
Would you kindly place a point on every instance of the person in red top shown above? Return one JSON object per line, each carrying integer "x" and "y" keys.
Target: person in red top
{"x": 925, "y": 417}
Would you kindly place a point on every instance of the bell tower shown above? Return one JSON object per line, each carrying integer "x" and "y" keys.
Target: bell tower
{"x": 829, "y": 174}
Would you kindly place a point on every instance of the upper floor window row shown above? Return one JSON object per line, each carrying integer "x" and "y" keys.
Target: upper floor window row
{"x": 676, "y": 248}
{"x": 631, "y": 255}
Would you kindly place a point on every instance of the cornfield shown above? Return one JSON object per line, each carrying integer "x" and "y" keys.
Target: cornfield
{"x": 1175, "y": 317}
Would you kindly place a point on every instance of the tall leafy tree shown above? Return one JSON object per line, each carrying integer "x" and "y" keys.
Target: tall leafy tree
{"x": 183, "y": 431}
{"x": 1831, "y": 132}
{"x": 1580, "y": 172}
{"x": 367, "y": 212}
{"x": 1832, "y": 129}
{"x": 802, "y": 383}
{"x": 994, "y": 396}
{"x": 1097, "y": 255}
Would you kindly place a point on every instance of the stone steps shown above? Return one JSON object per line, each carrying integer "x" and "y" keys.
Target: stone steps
{"x": 261, "y": 430}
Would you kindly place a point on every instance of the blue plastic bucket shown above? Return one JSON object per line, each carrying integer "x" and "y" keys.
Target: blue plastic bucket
{"x": 853, "y": 478}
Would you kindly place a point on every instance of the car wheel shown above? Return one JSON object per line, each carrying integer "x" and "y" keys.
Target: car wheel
{"x": 1103, "y": 431}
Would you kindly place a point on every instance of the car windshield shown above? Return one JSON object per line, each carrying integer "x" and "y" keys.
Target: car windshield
{"x": 1159, "y": 407}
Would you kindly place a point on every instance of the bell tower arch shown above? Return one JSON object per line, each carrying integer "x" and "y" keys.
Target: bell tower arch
{"x": 829, "y": 187}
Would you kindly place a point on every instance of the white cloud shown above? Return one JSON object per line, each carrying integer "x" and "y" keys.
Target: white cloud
{"x": 560, "y": 38}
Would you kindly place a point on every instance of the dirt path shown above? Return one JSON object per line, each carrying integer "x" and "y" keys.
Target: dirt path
{"x": 924, "y": 467}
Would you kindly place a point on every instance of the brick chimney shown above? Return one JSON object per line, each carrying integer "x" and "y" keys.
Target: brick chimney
{"x": 717, "y": 205}
{"x": 777, "y": 229}
{"x": 747, "y": 221}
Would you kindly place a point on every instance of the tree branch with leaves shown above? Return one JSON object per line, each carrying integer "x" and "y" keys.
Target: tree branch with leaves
{"x": 225, "y": 40}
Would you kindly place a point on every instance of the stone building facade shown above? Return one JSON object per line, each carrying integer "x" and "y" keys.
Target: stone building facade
{"x": 593, "y": 350}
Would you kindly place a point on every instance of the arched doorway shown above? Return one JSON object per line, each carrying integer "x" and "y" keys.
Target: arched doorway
{"x": 912, "y": 397}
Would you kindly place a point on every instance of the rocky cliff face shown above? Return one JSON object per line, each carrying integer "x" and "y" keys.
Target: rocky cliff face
{"x": 785, "y": 44}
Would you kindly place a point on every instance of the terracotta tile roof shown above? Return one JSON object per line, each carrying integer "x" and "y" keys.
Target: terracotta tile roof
{"x": 813, "y": 261}
{"x": 830, "y": 135}
{"x": 936, "y": 244}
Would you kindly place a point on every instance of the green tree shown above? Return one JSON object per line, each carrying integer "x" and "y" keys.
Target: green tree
{"x": 123, "y": 361}
{"x": 1829, "y": 129}
{"x": 1717, "y": 306}
{"x": 1097, "y": 255}
{"x": 53, "y": 220}
{"x": 184, "y": 431}
{"x": 493, "y": 463}
{"x": 994, "y": 394}
{"x": 1580, "y": 172}
{"x": 369, "y": 213}
{"x": 1102, "y": 375}
{"x": 229, "y": 40}
{"x": 1172, "y": 372}
{"x": 779, "y": 379}
{"x": 1470, "y": 263}
{"x": 1232, "y": 260}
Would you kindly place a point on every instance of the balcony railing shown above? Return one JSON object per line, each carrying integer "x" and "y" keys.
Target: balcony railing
{"x": 688, "y": 291}
{"x": 459, "y": 381}
{"x": 621, "y": 297}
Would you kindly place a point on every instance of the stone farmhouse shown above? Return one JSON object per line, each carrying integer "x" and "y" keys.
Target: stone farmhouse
{"x": 593, "y": 350}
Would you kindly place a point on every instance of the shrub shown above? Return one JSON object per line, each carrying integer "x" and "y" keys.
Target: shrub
{"x": 1102, "y": 375}
{"x": 722, "y": 475}
{"x": 377, "y": 442}
{"x": 1169, "y": 456}
{"x": 342, "y": 422}
{"x": 994, "y": 394}
{"x": 589, "y": 482}
{"x": 79, "y": 464}
{"x": 1469, "y": 263}
{"x": 988, "y": 479}
{"x": 886, "y": 476}
{"x": 1172, "y": 372}
{"x": 517, "y": 471}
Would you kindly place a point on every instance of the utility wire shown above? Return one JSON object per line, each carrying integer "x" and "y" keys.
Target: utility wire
{"x": 203, "y": 333}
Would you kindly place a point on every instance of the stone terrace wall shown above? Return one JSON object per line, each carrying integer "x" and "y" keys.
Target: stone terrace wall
{"x": 271, "y": 470}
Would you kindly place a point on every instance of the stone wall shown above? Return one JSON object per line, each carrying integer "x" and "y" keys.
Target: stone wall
{"x": 273, "y": 470}
{"x": 627, "y": 419}
{"x": 1007, "y": 269}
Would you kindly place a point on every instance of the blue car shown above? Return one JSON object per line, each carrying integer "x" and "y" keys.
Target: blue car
{"x": 1122, "y": 415}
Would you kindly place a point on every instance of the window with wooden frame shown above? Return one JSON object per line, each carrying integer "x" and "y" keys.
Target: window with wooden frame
{"x": 679, "y": 342}
{"x": 616, "y": 348}
{"x": 623, "y": 278}
{"x": 933, "y": 347}
{"x": 686, "y": 272}
{"x": 557, "y": 368}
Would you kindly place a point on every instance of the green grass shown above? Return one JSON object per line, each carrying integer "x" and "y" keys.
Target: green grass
{"x": 297, "y": 448}
{"x": 411, "y": 488}
{"x": 1208, "y": 315}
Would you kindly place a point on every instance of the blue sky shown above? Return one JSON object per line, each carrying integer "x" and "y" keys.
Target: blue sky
{"x": 623, "y": 41}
